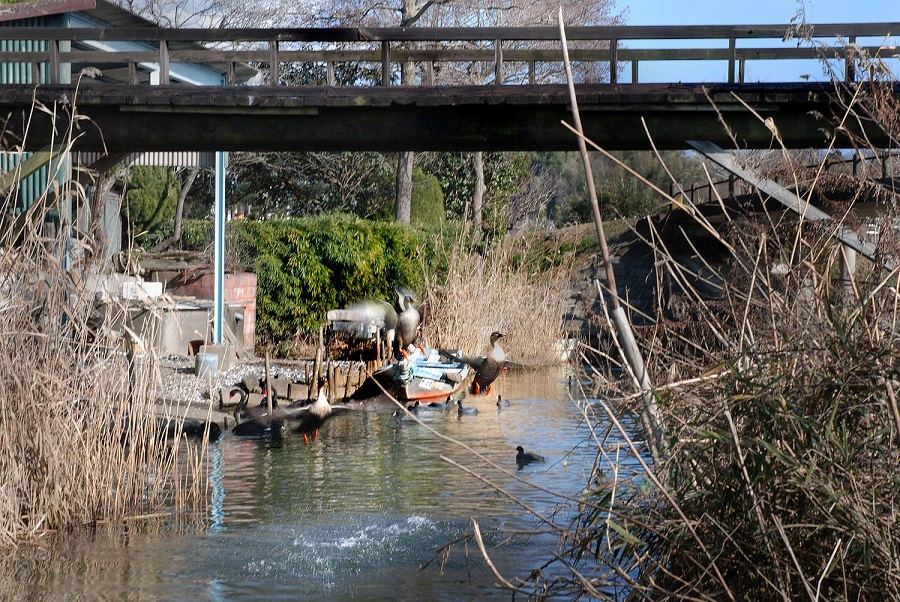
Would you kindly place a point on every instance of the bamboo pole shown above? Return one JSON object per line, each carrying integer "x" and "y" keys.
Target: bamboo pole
{"x": 650, "y": 416}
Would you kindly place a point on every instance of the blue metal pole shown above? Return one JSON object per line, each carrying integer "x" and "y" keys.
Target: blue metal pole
{"x": 219, "y": 250}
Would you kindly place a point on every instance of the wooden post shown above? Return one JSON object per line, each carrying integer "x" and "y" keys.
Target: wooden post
{"x": 329, "y": 73}
{"x": 498, "y": 62}
{"x": 274, "y": 68}
{"x": 332, "y": 381}
{"x": 613, "y": 61}
{"x": 850, "y": 62}
{"x": 317, "y": 366}
{"x": 55, "y": 67}
{"x": 385, "y": 63}
{"x": 732, "y": 59}
{"x": 268, "y": 385}
{"x": 164, "y": 63}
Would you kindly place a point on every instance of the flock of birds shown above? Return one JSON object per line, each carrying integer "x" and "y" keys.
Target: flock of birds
{"x": 401, "y": 332}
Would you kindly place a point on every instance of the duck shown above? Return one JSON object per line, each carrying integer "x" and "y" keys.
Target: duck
{"x": 310, "y": 418}
{"x": 407, "y": 328}
{"x": 523, "y": 457}
{"x": 257, "y": 421}
{"x": 463, "y": 411}
{"x": 487, "y": 368}
{"x": 502, "y": 403}
{"x": 440, "y": 405}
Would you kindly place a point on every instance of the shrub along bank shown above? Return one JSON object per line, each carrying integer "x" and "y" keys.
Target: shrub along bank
{"x": 307, "y": 266}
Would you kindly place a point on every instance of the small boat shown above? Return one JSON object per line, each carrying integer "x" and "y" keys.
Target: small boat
{"x": 423, "y": 375}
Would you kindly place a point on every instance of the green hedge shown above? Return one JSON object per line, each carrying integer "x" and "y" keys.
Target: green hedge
{"x": 307, "y": 266}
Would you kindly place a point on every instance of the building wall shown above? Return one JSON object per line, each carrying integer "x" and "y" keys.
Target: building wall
{"x": 240, "y": 292}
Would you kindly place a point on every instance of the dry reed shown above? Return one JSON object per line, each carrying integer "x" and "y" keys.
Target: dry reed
{"x": 485, "y": 291}
{"x": 80, "y": 441}
{"x": 779, "y": 393}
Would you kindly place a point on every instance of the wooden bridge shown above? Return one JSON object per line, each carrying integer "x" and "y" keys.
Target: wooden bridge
{"x": 470, "y": 88}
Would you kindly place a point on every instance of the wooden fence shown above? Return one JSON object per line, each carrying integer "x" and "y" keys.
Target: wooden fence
{"x": 507, "y": 55}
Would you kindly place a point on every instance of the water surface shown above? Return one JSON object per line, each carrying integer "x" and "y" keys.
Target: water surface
{"x": 353, "y": 515}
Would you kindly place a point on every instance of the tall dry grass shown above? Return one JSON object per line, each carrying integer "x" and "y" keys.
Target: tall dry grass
{"x": 80, "y": 442}
{"x": 484, "y": 289}
{"x": 780, "y": 402}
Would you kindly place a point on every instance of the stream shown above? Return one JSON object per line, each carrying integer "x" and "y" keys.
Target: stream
{"x": 352, "y": 515}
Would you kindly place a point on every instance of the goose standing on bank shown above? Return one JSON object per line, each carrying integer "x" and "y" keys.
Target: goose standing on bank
{"x": 407, "y": 323}
{"x": 487, "y": 368}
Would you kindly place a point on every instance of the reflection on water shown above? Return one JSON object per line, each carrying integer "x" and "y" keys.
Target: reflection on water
{"x": 351, "y": 516}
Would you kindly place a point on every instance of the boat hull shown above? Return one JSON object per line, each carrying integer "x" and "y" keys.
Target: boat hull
{"x": 425, "y": 378}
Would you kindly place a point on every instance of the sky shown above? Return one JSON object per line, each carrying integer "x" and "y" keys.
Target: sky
{"x": 751, "y": 12}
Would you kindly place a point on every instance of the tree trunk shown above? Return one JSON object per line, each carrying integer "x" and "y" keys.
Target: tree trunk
{"x": 405, "y": 162}
{"x": 478, "y": 195}
{"x": 179, "y": 212}
{"x": 409, "y": 14}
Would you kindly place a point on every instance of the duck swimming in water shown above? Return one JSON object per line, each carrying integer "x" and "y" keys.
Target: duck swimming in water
{"x": 502, "y": 403}
{"x": 523, "y": 457}
{"x": 464, "y": 411}
{"x": 258, "y": 422}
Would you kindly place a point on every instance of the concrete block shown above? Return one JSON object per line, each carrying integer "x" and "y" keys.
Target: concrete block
{"x": 252, "y": 383}
{"x": 255, "y": 399}
{"x": 225, "y": 353}
{"x": 297, "y": 391}
{"x": 137, "y": 290}
{"x": 280, "y": 386}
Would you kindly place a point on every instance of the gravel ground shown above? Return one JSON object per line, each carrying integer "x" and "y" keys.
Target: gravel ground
{"x": 178, "y": 382}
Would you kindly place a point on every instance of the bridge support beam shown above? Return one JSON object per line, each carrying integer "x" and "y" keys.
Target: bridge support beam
{"x": 790, "y": 200}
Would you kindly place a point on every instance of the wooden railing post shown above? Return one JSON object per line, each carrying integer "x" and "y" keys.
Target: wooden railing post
{"x": 613, "y": 61}
{"x": 385, "y": 63}
{"x": 634, "y": 72}
{"x": 329, "y": 73}
{"x": 850, "y": 60}
{"x": 498, "y": 62}
{"x": 531, "y": 72}
{"x": 164, "y": 63}
{"x": 55, "y": 66}
{"x": 274, "y": 67}
{"x": 732, "y": 59}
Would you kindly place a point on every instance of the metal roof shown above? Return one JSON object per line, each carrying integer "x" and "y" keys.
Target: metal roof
{"x": 107, "y": 14}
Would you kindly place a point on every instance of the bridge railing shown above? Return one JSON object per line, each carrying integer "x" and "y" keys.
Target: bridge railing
{"x": 509, "y": 55}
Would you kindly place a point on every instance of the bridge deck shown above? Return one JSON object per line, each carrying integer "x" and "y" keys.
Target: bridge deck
{"x": 125, "y": 118}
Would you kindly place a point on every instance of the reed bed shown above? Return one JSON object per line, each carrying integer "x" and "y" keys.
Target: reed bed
{"x": 484, "y": 289}
{"x": 779, "y": 394}
{"x": 80, "y": 441}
